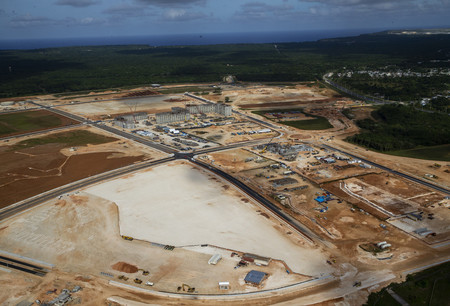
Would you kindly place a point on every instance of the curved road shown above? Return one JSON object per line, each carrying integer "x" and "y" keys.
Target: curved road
{"x": 308, "y": 234}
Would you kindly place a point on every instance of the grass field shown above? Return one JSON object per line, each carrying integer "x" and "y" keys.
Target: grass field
{"x": 318, "y": 123}
{"x": 27, "y": 122}
{"x": 72, "y": 138}
{"x": 429, "y": 287}
{"x": 441, "y": 153}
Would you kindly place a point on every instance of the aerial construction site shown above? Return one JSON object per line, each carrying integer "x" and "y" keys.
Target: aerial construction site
{"x": 247, "y": 195}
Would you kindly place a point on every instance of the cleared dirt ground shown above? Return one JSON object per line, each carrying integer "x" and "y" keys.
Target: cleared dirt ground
{"x": 150, "y": 104}
{"x": 270, "y": 96}
{"x": 224, "y": 134}
{"x": 197, "y": 209}
{"x": 79, "y": 234}
{"x": 29, "y": 171}
{"x": 412, "y": 166}
{"x": 342, "y": 223}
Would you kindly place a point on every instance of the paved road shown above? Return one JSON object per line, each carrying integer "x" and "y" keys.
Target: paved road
{"x": 182, "y": 155}
{"x": 354, "y": 94}
{"x": 136, "y": 138}
{"x": 311, "y": 236}
{"x": 411, "y": 178}
{"x": 397, "y": 297}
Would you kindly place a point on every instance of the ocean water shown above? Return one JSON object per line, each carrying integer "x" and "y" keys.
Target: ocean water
{"x": 183, "y": 39}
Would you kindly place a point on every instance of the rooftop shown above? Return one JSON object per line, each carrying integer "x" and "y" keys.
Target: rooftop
{"x": 255, "y": 277}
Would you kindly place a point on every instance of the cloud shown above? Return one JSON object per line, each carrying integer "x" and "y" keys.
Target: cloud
{"x": 126, "y": 10}
{"x": 377, "y": 6}
{"x": 77, "y": 3}
{"x": 261, "y": 10}
{"x": 361, "y": 8}
{"x": 172, "y": 3}
{"x": 182, "y": 15}
{"x": 26, "y": 21}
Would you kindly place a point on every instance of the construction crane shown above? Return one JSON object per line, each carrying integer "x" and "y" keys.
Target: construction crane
{"x": 265, "y": 148}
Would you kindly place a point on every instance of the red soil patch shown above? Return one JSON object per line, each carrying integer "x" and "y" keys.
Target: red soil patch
{"x": 125, "y": 267}
{"x": 282, "y": 104}
{"x": 19, "y": 182}
{"x": 300, "y": 136}
{"x": 175, "y": 100}
{"x": 141, "y": 93}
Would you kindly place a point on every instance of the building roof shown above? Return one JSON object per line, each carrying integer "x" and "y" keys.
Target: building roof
{"x": 255, "y": 277}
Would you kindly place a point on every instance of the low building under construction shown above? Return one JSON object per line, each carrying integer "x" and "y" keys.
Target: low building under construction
{"x": 177, "y": 114}
{"x": 221, "y": 109}
{"x": 128, "y": 121}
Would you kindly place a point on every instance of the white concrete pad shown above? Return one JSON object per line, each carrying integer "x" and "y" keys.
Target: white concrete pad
{"x": 178, "y": 204}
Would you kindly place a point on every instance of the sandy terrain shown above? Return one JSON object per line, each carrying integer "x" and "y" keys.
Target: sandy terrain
{"x": 292, "y": 95}
{"x": 79, "y": 234}
{"x": 223, "y": 134}
{"x": 339, "y": 223}
{"x": 178, "y": 204}
{"x": 151, "y": 104}
{"x": 412, "y": 166}
{"x": 197, "y": 209}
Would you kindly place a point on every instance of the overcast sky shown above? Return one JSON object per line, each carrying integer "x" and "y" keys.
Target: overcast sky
{"x": 95, "y": 18}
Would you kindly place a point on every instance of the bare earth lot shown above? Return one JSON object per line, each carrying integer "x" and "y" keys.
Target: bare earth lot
{"x": 80, "y": 233}
{"x": 196, "y": 209}
{"x": 151, "y": 104}
{"x": 32, "y": 170}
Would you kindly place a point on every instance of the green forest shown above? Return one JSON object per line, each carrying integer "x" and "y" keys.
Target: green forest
{"x": 398, "y": 89}
{"x": 428, "y": 287}
{"x": 69, "y": 69}
{"x": 399, "y": 127}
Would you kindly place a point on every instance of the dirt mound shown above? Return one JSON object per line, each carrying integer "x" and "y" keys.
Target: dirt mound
{"x": 300, "y": 136}
{"x": 124, "y": 267}
{"x": 175, "y": 100}
{"x": 141, "y": 93}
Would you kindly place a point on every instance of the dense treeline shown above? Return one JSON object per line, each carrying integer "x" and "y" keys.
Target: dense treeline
{"x": 24, "y": 72}
{"x": 440, "y": 104}
{"x": 399, "y": 88}
{"x": 400, "y": 127}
